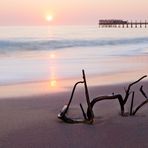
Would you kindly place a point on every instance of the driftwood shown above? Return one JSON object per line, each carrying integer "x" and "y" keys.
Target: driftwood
{"x": 101, "y": 98}
{"x": 87, "y": 119}
{"x": 143, "y": 103}
{"x": 89, "y": 115}
{"x": 132, "y": 103}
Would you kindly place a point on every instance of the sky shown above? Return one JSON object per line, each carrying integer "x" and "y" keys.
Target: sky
{"x": 69, "y": 12}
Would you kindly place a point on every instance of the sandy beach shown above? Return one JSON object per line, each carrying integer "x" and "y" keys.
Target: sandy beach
{"x": 37, "y": 74}
{"x": 31, "y": 122}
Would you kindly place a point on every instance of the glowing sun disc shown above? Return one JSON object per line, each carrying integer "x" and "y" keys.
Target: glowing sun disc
{"x": 49, "y": 18}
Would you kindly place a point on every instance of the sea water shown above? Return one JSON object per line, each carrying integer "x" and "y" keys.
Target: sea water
{"x": 42, "y": 53}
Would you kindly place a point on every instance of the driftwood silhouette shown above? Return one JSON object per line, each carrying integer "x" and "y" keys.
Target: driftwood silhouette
{"x": 143, "y": 103}
{"x": 89, "y": 115}
{"x": 89, "y": 119}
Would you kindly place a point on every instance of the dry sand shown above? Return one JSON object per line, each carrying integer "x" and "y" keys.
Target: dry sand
{"x": 31, "y": 122}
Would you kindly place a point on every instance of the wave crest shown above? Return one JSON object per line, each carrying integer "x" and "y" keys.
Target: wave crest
{"x": 32, "y": 44}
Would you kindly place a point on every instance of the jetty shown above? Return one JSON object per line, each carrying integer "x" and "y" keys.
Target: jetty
{"x": 115, "y": 23}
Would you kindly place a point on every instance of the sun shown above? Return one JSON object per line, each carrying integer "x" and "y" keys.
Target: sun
{"x": 49, "y": 18}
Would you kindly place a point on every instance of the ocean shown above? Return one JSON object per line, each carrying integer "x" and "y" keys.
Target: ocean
{"x": 45, "y": 53}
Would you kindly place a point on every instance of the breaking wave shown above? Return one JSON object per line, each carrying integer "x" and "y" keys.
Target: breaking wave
{"x": 11, "y": 45}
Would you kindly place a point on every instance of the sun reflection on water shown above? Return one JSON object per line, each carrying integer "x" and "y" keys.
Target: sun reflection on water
{"x": 53, "y": 71}
{"x": 52, "y": 56}
{"x": 53, "y": 83}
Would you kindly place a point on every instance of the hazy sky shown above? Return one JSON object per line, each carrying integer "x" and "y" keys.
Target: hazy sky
{"x": 73, "y": 12}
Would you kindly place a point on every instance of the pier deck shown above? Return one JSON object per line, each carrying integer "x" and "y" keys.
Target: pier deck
{"x": 122, "y": 23}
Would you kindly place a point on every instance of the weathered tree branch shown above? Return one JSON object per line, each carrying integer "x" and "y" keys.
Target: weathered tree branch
{"x": 143, "y": 93}
{"x": 143, "y": 103}
{"x": 100, "y": 98}
{"x": 129, "y": 87}
{"x": 84, "y": 115}
{"x": 88, "y": 119}
{"x": 71, "y": 97}
{"x": 132, "y": 102}
{"x": 89, "y": 116}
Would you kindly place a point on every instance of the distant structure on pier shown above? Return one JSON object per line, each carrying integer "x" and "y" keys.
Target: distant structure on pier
{"x": 121, "y": 23}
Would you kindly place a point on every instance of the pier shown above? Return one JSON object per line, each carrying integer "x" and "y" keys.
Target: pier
{"x": 114, "y": 23}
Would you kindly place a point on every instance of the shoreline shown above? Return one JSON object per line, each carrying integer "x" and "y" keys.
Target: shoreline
{"x": 63, "y": 85}
{"x": 136, "y": 67}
